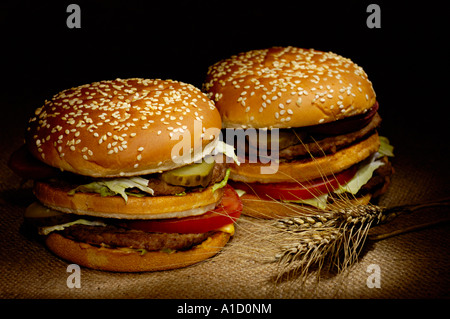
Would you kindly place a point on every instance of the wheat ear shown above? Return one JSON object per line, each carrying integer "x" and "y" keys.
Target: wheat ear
{"x": 333, "y": 238}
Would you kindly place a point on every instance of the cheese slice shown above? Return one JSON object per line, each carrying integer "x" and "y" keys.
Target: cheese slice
{"x": 227, "y": 229}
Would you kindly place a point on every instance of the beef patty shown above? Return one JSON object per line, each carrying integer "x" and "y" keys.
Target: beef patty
{"x": 329, "y": 145}
{"x": 120, "y": 237}
{"x": 317, "y": 145}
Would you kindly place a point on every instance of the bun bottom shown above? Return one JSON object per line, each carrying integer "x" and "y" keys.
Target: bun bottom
{"x": 253, "y": 206}
{"x": 117, "y": 260}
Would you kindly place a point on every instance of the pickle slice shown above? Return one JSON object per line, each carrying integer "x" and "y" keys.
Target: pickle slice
{"x": 197, "y": 174}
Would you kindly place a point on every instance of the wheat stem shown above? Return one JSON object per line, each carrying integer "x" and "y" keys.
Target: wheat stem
{"x": 376, "y": 237}
{"x": 336, "y": 236}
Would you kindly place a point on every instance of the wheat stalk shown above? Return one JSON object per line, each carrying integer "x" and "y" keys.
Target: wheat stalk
{"x": 332, "y": 238}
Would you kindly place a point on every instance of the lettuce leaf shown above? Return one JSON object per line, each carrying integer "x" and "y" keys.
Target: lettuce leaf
{"x": 222, "y": 183}
{"x": 362, "y": 176}
{"x": 318, "y": 201}
{"x": 94, "y": 187}
{"x": 240, "y": 192}
{"x": 47, "y": 230}
{"x": 386, "y": 149}
{"x": 366, "y": 169}
{"x": 226, "y": 149}
{"x": 119, "y": 185}
{"x": 115, "y": 186}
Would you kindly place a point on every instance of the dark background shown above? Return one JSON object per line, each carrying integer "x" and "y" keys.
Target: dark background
{"x": 406, "y": 59}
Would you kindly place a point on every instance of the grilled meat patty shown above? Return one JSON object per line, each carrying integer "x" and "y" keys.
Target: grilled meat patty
{"x": 304, "y": 145}
{"x": 329, "y": 145}
{"x": 120, "y": 237}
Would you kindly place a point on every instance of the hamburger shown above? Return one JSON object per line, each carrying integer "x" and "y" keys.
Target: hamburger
{"x": 126, "y": 175}
{"x": 304, "y": 124}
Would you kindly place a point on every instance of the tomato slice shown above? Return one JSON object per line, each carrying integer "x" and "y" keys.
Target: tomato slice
{"x": 226, "y": 213}
{"x": 296, "y": 191}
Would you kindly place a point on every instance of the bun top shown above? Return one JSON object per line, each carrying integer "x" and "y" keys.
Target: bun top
{"x": 123, "y": 127}
{"x": 285, "y": 87}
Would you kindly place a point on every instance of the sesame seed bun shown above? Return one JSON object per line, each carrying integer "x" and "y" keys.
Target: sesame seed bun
{"x": 284, "y": 87}
{"x": 123, "y": 127}
{"x": 131, "y": 261}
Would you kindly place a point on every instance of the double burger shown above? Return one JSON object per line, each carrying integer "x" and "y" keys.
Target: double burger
{"x": 115, "y": 189}
{"x": 304, "y": 123}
